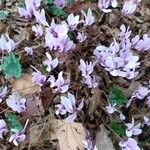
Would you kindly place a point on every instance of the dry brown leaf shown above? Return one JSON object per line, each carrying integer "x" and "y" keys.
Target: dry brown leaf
{"x": 103, "y": 141}
{"x": 25, "y": 85}
{"x": 69, "y": 135}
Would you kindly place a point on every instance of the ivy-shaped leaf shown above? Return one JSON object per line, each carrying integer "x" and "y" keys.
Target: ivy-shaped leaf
{"x": 116, "y": 96}
{"x": 13, "y": 122}
{"x": 56, "y": 11}
{"x": 11, "y": 66}
{"x": 4, "y": 14}
{"x": 118, "y": 128}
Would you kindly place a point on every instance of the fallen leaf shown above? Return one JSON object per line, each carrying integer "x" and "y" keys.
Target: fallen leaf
{"x": 69, "y": 135}
{"x": 25, "y": 85}
{"x": 103, "y": 141}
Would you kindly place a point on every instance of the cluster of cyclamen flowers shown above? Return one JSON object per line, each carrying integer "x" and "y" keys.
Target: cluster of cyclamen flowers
{"x": 129, "y": 6}
{"x": 119, "y": 58}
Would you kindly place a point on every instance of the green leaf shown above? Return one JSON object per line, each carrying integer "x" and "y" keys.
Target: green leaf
{"x": 13, "y": 122}
{"x": 11, "y": 66}
{"x": 56, "y": 11}
{"x": 117, "y": 96}
{"x": 4, "y": 14}
{"x": 118, "y": 128}
{"x": 49, "y": 2}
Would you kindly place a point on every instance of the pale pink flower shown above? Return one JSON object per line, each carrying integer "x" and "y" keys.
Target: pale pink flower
{"x": 133, "y": 129}
{"x": 3, "y": 92}
{"x": 86, "y": 68}
{"x": 130, "y": 144}
{"x": 38, "y": 30}
{"x": 16, "y": 137}
{"x": 147, "y": 121}
{"x": 122, "y": 116}
{"x": 60, "y": 3}
{"x": 143, "y": 44}
{"x": 7, "y": 44}
{"x": 3, "y": 128}
{"x": 37, "y": 3}
{"x": 29, "y": 50}
{"x": 104, "y": 4}
{"x": 69, "y": 103}
{"x": 91, "y": 82}
{"x": 40, "y": 17}
{"x": 88, "y": 143}
{"x": 51, "y": 64}
{"x": 141, "y": 92}
{"x": 89, "y": 18}
{"x": 73, "y": 21}
{"x": 111, "y": 108}
{"x": 16, "y": 102}
{"x": 125, "y": 32}
{"x": 60, "y": 84}
{"x": 81, "y": 37}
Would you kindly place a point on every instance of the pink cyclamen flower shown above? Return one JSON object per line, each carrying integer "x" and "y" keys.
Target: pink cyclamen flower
{"x": 89, "y": 18}
{"x": 73, "y": 21}
{"x": 16, "y": 102}
{"x": 70, "y": 106}
{"x": 104, "y": 4}
{"x": 91, "y": 81}
{"x": 130, "y": 144}
{"x": 122, "y": 116}
{"x": 88, "y": 143}
{"x": 81, "y": 37}
{"x": 141, "y": 92}
{"x": 86, "y": 68}
{"x": 3, "y": 92}
{"x": 51, "y": 64}
{"x": 147, "y": 121}
{"x": 133, "y": 129}
{"x": 16, "y": 137}
{"x": 3, "y": 128}
{"x": 130, "y": 6}
{"x": 40, "y": 17}
{"x": 60, "y": 84}
{"x": 60, "y": 3}
{"x": 7, "y": 44}
{"x": 38, "y": 30}
{"x": 111, "y": 108}
{"x": 143, "y": 44}
{"x": 29, "y": 50}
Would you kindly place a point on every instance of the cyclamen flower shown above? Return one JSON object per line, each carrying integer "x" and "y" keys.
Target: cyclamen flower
{"x": 88, "y": 142}
{"x": 29, "y": 50}
{"x": 89, "y": 18}
{"x": 3, "y": 92}
{"x": 147, "y": 121}
{"x": 3, "y": 128}
{"x": 16, "y": 137}
{"x": 7, "y": 44}
{"x": 16, "y": 102}
{"x": 91, "y": 82}
{"x": 60, "y": 3}
{"x": 104, "y": 4}
{"x": 81, "y": 37}
{"x": 130, "y": 6}
{"x": 60, "y": 84}
{"x": 51, "y": 64}
{"x": 122, "y": 116}
{"x": 141, "y": 92}
{"x": 73, "y": 21}
{"x": 133, "y": 129}
{"x": 38, "y": 30}
{"x": 40, "y": 17}
{"x": 70, "y": 106}
{"x": 130, "y": 144}
{"x": 143, "y": 44}
{"x": 111, "y": 108}
{"x": 148, "y": 101}
{"x": 85, "y": 68}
